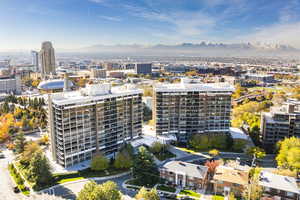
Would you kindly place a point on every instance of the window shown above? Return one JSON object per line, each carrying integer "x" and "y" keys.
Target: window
{"x": 290, "y": 194}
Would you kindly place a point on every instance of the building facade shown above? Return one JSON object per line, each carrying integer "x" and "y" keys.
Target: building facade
{"x": 35, "y": 60}
{"x": 188, "y": 108}
{"x": 96, "y": 118}
{"x": 47, "y": 58}
{"x": 98, "y": 73}
{"x": 184, "y": 174}
{"x": 279, "y": 123}
{"x": 10, "y": 85}
{"x": 143, "y": 68}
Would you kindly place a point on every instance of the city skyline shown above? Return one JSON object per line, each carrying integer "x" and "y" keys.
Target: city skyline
{"x": 80, "y": 23}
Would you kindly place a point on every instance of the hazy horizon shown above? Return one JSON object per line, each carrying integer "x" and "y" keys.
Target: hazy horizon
{"x": 74, "y": 24}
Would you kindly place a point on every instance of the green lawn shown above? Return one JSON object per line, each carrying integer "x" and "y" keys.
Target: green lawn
{"x": 166, "y": 188}
{"x": 217, "y": 197}
{"x": 164, "y": 155}
{"x": 190, "y": 193}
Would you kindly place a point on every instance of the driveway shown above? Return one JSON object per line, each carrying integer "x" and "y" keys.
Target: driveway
{"x": 70, "y": 190}
{"x": 6, "y": 183}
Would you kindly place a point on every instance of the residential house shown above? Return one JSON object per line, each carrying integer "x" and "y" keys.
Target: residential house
{"x": 279, "y": 187}
{"x": 231, "y": 179}
{"x": 184, "y": 174}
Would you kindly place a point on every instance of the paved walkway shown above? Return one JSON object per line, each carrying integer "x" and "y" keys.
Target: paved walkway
{"x": 6, "y": 183}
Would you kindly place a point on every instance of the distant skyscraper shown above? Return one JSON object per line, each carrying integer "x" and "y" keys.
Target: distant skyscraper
{"x": 35, "y": 60}
{"x": 47, "y": 59}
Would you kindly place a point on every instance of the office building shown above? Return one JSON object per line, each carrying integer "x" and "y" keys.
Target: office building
{"x": 10, "y": 85}
{"x": 35, "y": 60}
{"x": 47, "y": 57}
{"x": 280, "y": 122}
{"x": 96, "y": 118}
{"x": 188, "y": 108}
{"x": 98, "y": 73}
{"x": 143, "y": 68}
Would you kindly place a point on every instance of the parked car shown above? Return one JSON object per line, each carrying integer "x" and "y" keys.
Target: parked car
{"x": 16, "y": 189}
{"x": 2, "y": 155}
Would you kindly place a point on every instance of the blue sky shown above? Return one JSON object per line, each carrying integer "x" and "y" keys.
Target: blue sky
{"x": 24, "y": 24}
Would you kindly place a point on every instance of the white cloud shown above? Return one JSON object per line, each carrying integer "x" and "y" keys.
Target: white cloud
{"x": 110, "y": 18}
{"x": 277, "y": 34}
{"x": 98, "y": 1}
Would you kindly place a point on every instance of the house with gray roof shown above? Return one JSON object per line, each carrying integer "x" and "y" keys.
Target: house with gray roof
{"x": 184, "y": 174}
{"x": 278, "y": 186}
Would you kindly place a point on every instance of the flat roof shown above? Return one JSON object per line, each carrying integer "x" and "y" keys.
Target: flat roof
{"x": 285, "y": 183}
{"x": 186, "y": 87}
{"x": 79, "y": 96}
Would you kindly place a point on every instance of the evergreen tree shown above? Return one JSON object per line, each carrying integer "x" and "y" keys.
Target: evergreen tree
{"x": 144, "y": 166}
{"x": 39, "y": 169}
{"x": 20, "y": 143}
{"x": 99, "y": 162}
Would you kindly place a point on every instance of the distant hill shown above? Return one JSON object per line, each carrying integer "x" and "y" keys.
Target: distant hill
{"x": 192, "y": 49}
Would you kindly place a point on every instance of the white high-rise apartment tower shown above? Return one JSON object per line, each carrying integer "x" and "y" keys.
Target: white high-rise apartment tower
{"x": 47, "y": 59}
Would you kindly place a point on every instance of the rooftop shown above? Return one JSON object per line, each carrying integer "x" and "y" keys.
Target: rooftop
{"x": 194, "y": 85}
{"x": 53, "y": 84}
{"x": 232, "y": 175}
{"x": 185, "y": 168}
{"x": 93, "y": 92}
{"x": 285, "y": 183}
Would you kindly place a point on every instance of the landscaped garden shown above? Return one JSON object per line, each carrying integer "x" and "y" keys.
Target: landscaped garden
{"x": 18, "y": 180}
{"x": 160, "y": 151}
{"x": 218, "y": 197}
{"x": 190, "y": 193}
{"x": 166, "y": 188}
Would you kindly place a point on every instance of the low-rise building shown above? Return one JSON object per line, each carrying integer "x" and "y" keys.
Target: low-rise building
{"x": 278, "y": 186}
{"x": 184, "y": 174}
{"x": 231, "y": 179}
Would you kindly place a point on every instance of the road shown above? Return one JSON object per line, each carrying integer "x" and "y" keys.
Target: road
{"x": 69, "y": 191}
{"x": 6, "y": 183}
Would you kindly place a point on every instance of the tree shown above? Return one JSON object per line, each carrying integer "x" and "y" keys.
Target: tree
{"x": 288, "y": 156}
{"x": 214, "y": 152}
{"x": 256, "y": 153}
{"x": 110, "y": 191}
{"x": 143, "y": 194}
{"x": 44, "y": 139}
{"x": 39, "y": 169}
{"x": 158, "y": 147}
{"x": 105, "y": 191}
{"x": 239, "y": 145}
{"x": 20, "y": 143}
{"x": 253, "y": 191}
{"x": 147, "y": 113}
{"x": 144, "y": 166}
{"x": 99, "y": 162}
{"x": 231, "y": 196}
{"x": 123, "y": 160}
{"x": 212, "y": 165}
{"x": 90, "y": 191}
{"x": 29, "y": 149}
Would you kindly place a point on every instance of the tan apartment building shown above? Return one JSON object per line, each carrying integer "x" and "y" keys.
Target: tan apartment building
{"x": 96, "y": 118}
{"x": 191, "y": 107}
